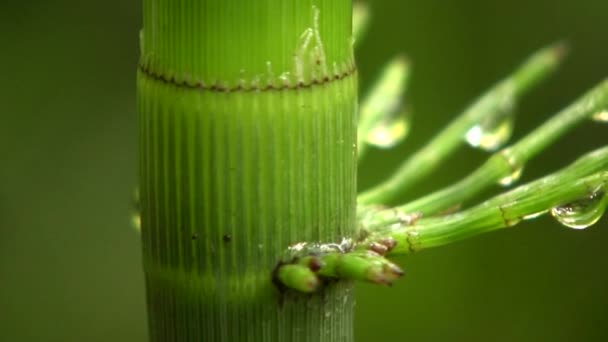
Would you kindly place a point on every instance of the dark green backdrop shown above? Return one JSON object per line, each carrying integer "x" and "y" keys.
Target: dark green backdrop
{"x": 70, "y": 264}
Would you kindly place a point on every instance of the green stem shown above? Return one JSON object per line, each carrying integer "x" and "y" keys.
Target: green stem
{"x": 361, "y": 18}
{"x": 575, "y": 195}
{"x": 587, "y": 176}
{"x": 506, "y": 92}
{"x": 383, "y": 102}
{"x": 247, "y": 116}
{"x": 507, "y": 164}
{"x": 487, "y": 217}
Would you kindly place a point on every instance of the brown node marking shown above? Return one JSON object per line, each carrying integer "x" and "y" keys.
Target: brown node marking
{"x": 389, "y": 243}
{"x": 409, "y": 237}
{"x": 450, "y": 210}
{"x": 408, "y": 219}
{"x": 508, "y": 222}
{"x": 315, "y": 264}
{"x": 378, "y": 248}
{"x": 146, "y": 70}
{"x": 509, "y": 158}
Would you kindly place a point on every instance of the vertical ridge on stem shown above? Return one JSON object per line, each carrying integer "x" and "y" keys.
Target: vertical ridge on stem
{"x": 238, "y": 160}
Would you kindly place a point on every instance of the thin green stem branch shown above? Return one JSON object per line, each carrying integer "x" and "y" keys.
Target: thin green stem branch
{"x": 361, "y": 19}
{"x": 502, "y": 212}
{"x": 506, "y": 166}
{"x": 493, "y": 103}
{"x": 382, "y": 106}
{"x": 576, "y": 197}
{"x": 586, "y": 177}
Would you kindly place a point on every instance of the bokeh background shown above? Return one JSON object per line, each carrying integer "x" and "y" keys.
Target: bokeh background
{"x": 70, "y": 263}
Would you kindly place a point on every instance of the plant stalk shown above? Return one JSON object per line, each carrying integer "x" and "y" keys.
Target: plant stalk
{"x": 247, "y": 123}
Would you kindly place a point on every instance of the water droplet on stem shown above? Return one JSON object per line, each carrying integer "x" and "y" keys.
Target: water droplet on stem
{"x": 601, "y": 116}
{"x": 512, "y": 178}
{"x": 490, "y": 137}
{"x": 389, "y": 132}
{"x": 516, "y": 168}
{"x": 535, "y": 215}
{"x": 494, "y": 130}
{"x": 582, "y": 213}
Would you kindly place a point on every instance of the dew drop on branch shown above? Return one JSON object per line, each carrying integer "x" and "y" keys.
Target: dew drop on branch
{"x": 135, "y": 215}
{"x": 516, "y": 168}
{"x": 136, "y": 221}
{"x": 535, "y": 215}
{"x": 601, "y": 116}
{"x": 582, "y": 213}
{"x": 490, "y": 136}
{"x": 494, "y": 130}
{"x": 389, "y": 132}
{"x": 511, "y": 178}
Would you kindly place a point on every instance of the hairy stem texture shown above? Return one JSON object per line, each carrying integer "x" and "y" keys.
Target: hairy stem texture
{"x": 247, "y": 119}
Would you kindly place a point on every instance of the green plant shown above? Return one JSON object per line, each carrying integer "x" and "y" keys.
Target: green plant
{"x": 248, "y": 141}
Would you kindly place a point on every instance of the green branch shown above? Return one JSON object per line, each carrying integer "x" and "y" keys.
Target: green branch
{"x": 493, "y": 104}
{"x": 586, "y": 177}
{"x": 575, "y": 196}
{"x": 506, "y": 166}
{"x": 382, "y": 121}
{"x": 361, "y": 19}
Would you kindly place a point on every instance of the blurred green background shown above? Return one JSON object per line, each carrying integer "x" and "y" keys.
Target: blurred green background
{"x": 70, "y": 263}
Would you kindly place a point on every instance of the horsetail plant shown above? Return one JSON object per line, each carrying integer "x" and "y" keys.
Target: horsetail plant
{"x": 250, "y": 131}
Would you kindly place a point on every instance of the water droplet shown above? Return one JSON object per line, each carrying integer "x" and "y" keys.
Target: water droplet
{"x": 516, "y": 168}
{"x": 512, "y": 222}
{"x": 601, "y": 116}
{"x": 495, "y": 129}
{"x": 136, "y": 221}
{"x": 389, "y": 132}
{"x": 512, "y": 178}
{"x": 136, "y": 211}
{"x": 582, "y": 213}
{"x": 489, "y": 136}
{"x": 535, "y": 215}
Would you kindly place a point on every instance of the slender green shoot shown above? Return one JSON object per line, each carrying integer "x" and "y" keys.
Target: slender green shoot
{"x": 361, "y": 19}
{"x": 495, "y": 102}
{"x": 298, "y": 277}
{"x": 306, "y": 274}
{"x": 363, "y": 265}
{"x": 506, "y": 166}
{"x": 535, "y": 199}
{"x": 575, "y": 196}
{"x": 374, "y": 218}
{"x": 382, "y": 121}
{"x": 584, "y": 179}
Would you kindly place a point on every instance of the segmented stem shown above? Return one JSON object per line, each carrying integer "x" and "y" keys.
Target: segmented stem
{"x": 247, "y": 118}
{"x": 507, "y": 164}
{"x": 586, "y": 176}
{"x": 419, "y": 165}
{"x": 577, "y": 194}
{"x": 384, "y": 101}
